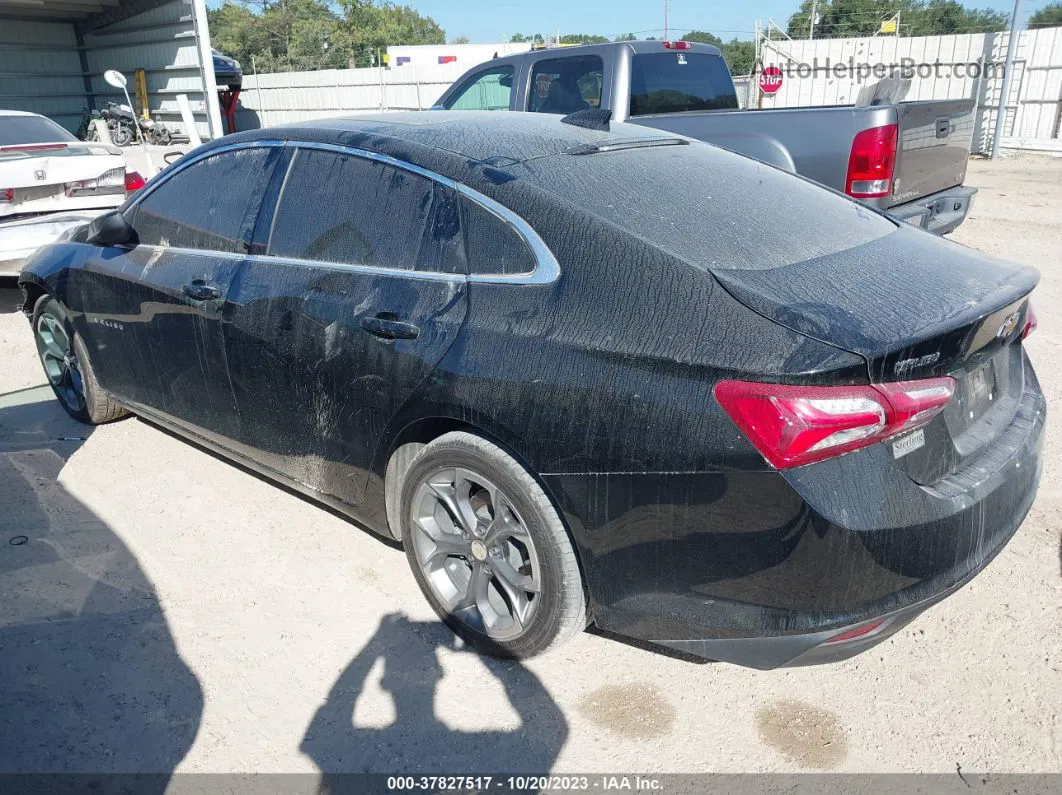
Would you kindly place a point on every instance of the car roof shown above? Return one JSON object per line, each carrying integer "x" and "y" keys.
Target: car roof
{"x": 481, "y": 137}
{"x": 18, "y": 113}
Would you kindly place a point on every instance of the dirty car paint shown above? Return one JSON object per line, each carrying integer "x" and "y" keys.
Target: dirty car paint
{"x": 598, "y": 378}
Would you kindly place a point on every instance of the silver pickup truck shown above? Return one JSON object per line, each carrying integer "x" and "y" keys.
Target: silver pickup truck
{"x": 907, "y": 158}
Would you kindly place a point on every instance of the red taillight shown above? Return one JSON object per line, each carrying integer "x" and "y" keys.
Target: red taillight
{"x": 678, "y": 45}
{"x": 7, "y": 195}
{"x": 133, "y": 181}
{"x": 796, "y": 425}
{"x": 871, "y": 163}
{"x": 1030, "y": 322}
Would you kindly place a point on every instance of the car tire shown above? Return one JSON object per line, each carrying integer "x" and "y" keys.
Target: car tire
{"x": 71, "y": 377}
{"x": 473, "y": 562}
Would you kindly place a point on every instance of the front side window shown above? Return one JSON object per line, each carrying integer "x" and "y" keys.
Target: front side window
{"x": 353, "y": 210}
{"x": 489, "y": 90}
{"x": 210, "y": 205}
{"x": 565, "y": 85}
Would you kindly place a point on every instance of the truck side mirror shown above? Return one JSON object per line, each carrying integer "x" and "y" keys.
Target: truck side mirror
{"x": 111, "y": 229}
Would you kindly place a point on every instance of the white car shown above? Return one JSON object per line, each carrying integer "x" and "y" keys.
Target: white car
{"x": 49, "y": 182}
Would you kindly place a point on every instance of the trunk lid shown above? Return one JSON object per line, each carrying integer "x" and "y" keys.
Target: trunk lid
{"x": 914, "y": 306}
{"x": 38, "y": 178}
{"x": 933, "y": 147}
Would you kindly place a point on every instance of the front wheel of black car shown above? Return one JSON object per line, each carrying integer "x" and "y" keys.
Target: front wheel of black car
{"x": 488, "y": 549}
{"x": 66, "y": 364}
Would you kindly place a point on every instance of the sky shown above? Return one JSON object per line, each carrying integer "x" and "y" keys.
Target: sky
{"x": 490, "y": 21}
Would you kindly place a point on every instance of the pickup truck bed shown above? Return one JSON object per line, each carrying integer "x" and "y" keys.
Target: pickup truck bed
{"x": 908, "y": 159}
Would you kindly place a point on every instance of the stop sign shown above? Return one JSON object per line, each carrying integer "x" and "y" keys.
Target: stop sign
{"x": 770, "y": 80}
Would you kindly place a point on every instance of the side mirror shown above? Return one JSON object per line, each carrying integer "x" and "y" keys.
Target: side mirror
{"x": 111, "y": 229}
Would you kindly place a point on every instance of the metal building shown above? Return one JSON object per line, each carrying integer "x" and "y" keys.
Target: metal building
{"x": 53, "y": 54}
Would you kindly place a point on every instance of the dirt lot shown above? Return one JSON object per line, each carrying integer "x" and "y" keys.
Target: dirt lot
{"x": 161, "y": 609}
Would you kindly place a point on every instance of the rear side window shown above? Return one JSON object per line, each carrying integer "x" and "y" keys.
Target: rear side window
{"x": 352, "y": 210}
{"x": 16, "y": 130}
{"x": 210, "y": 205}
{"x": 489, "y": 90}
{"x": 673, "y": 82}
{"x": 565, "y": 85}
{"x": 492, "y": 245}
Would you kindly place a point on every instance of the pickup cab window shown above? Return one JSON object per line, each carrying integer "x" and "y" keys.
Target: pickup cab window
{"x": 487, "y": 90}
{"x": 673, "y": 82}
{"x": 565, "y": 85}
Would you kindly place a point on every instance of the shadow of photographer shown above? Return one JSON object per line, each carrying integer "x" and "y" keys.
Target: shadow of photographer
{"x": 92, "y": 679}
{"x": 418, "y": 742}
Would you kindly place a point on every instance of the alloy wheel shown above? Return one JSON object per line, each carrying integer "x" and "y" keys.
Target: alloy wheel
{"x": 476, "y": 553}
{"x": 60, "y": 362}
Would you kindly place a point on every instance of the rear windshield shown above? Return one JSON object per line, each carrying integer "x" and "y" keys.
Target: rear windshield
{"x": 672, "y": 82}
{"x": 709, "y": 207}
{"x": 16, "y": 130}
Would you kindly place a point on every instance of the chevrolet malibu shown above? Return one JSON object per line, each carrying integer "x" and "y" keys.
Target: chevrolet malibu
{"x": 586, "y": 373}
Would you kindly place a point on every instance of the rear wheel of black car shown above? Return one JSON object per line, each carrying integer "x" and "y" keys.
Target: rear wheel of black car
{"x": 66, "y": 364}
{"x": 489, "y": 550}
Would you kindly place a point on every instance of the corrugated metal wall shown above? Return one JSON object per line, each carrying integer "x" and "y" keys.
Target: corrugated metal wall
{"x": 163, "y": 43}
{"x": 40, "y": 70}
{"x": 1033, "y": 107}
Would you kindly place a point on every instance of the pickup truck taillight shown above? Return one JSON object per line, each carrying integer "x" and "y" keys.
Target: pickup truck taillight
{"x": 796, "y": 425}
{"x": 7, "y": 195}
{"x": 871, "y": 163}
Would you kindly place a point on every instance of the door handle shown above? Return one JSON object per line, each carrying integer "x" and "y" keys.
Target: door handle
{"x": 200, "y": 291}
{"x": 389, "y": 328}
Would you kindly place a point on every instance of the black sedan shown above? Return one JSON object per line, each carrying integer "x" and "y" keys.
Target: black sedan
{"x": 585, "y": 373}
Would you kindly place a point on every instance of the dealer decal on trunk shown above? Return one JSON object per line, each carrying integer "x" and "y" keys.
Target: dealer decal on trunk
{"x": 909, "y": 443}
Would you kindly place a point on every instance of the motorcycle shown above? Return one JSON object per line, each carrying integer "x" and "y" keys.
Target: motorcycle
{"x": 86, "y": 131}
{"x": 121, "y": 123}
{"x": 155, "y": 133}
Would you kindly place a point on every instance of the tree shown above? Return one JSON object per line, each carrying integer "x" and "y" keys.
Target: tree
{"x": 740, "y": 56}
{"x": 520, "y": 38}
{"x": 460, "y": 40}
{"x": 626, "y": 37}
{"x": 1047, "y": 17}
{"x": 704, "y": 37}
{"x": 838, "y": 18}
{"x": 373, "y": 25}
{"x": 582, "y": 38}
{"x": 299, "y": 35}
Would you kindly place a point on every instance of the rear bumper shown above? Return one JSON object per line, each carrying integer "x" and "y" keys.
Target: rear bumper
{"x": 938, "y": 213}
{"x": 20, "y": 239}
{"x": 763, "y": 569}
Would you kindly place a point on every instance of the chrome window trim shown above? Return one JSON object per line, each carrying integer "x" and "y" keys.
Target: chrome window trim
{"x": 547, "y": 268}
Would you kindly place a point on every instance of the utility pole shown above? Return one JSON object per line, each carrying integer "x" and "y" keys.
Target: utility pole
{"x": 665, "y": 19}
{"x": 811, "y": 22}
{"x": 1008, "y": 68}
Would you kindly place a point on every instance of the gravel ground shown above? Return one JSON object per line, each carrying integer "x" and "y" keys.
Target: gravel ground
{"x": 161, "y": 609}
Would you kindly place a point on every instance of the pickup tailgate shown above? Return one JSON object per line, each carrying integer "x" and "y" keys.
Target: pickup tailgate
{"x": 934, "y": 145}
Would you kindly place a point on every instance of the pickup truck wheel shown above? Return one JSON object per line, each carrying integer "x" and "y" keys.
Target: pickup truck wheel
{"x": 66, "y": 364}
{"x": 488, "y": 549}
